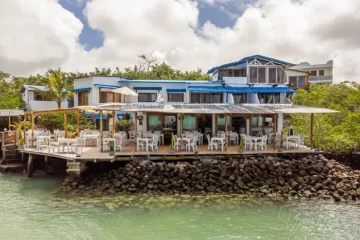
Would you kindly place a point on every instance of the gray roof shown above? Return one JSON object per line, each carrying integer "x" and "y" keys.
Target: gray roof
{"x": 306, "y": 65}
{"x": 11, "y": 112}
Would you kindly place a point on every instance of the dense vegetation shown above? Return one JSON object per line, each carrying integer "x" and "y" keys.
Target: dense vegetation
{"x": 338, "y": 133}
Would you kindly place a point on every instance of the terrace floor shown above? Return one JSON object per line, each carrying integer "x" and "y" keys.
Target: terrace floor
{"x": 128, "y": 153}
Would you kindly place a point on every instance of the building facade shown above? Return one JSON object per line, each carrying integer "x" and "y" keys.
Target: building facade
{"x": 318, "y": 73}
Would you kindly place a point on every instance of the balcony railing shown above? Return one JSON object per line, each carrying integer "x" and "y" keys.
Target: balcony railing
{"x": 321, "y": 79}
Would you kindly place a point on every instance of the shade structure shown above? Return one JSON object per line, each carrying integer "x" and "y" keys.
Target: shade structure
{"x": 87, "y": 108}
{"x": 125, "y": 91}
{"x": 11, "y": 112}
{"x": 192, "y": 108}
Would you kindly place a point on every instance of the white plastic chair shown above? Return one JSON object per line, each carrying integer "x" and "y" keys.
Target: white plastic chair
{"x": 153, "y": 144}
{"x": 76, "y": 146}
{"x": 262, "y": 143}
{"x": 212, "y": 143}
{"x": 247, "y": 141}
{"x": 176, "y": 143}
{"x": 191, "y": 144}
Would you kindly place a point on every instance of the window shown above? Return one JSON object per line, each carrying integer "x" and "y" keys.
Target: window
{"x": 256, "y": 121}
{"x": 321, "y": 72}
{"x": 155, "y": 123}
{"x": 221, "y": 123}
{"x": 189, "y": 123}
{"x": 206, "y": 98}
{"x": 83, "y": 98}
{"x": 280, "y": 77}
{"x": 313, "y": 73}
{"x": 236, "y": 73}
{"x": 175, "y": 97}
{"x": 147, "y": 97}
{"x": 272, "y": 75}
{"x": 253, "y": 74}
{"x": 109, "y": 97}
{"x": 269, "y": 97}
{"x": 39, "y": 97}
{"x": 261, "y": 75}
{"x": 293, "y": 82}
{"x": 240, "y": 98}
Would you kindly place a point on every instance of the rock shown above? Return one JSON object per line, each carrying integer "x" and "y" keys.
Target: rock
{"x": 308, "y": 193}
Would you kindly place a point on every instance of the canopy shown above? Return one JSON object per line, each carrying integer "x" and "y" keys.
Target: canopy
{"x": 125, "y": 91}
{"x": 11, "y": 112}
{"x": 192, "y": 108}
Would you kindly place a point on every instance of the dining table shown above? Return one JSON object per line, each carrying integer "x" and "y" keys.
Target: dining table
{"x": 292, "y": 138}
{"x": 66, "y": 141}
{"x": 90, "y": 136}
{"x": 255, "y": 139}
{"x": 185, "y": 139}
{"x": 146, "y": 140}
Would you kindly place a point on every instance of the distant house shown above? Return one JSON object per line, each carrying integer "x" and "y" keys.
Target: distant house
{"x": 35, "y": 100}
{"x": 319, "y": 73}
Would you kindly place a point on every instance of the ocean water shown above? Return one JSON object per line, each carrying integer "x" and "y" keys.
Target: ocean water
{"x": 34, "y": 209}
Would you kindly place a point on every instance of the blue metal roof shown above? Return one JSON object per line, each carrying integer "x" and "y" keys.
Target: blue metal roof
{"x": 147, "y": 88}
{"x": 245, "y": 59}
{"x": 172, "y": 90}
{"x": 106, "y": 86}
{"x": 96, "y": 116}
{"x": 242, "y": 89}
{"x": 81, "y": 89}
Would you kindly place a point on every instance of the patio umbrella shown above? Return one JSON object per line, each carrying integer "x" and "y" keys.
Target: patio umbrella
{"x": 125, "y": 91}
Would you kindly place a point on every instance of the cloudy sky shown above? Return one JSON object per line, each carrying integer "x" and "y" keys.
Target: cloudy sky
{"x": 79, "y": 35}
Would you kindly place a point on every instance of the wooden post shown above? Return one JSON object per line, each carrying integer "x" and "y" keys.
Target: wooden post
{"x": 113, "y": 125}
{"x": 274, "y": 131}
{"x": 78, "y": 123}
{"x": 32, "y": 129}
{"x": 29, "y": 169}
{"x": 135, "y": 131}
{"x": 24, "y": 130}
{"x": 312, "y": 131}
{"x": 65, "y": 124}
{"x": 181, "y": 129}
{"x": 226, "y": 136}
{"x": 9, "y": 121}
{"x": 101, "y": 130}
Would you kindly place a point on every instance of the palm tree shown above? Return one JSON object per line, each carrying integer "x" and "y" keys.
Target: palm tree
{"x": 57, "y": 85}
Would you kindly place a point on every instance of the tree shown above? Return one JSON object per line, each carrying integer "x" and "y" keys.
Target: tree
{"x": 57, "y": 85}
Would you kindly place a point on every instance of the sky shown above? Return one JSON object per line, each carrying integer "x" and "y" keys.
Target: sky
{"x": 79, "y": 35}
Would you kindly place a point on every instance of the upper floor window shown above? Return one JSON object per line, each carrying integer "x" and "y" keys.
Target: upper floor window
{"x": 40, "y": 97}
{"x": 175, "y": 97}
{"x": 83, "y": 98}
{"x": 321, "y": 72}
{"x": 269, "y": 97}
{"x": 313, "y": 73}
{"x": 147, "y": 97}
{"x": 109, "y": 97}
{"x": 267, "y": 75}
{"x": 240, "y": 98}
{"x": 206, "y": 98}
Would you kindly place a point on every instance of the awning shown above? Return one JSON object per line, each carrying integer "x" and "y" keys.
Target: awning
{"x": 191, "y": 108}
{"x": 174, "y": 90}
{"x": 243, "y": 89}
{"x": 147, "y": 88}
{"x": 11, "y": 112}
{"x": 81, "y": 89}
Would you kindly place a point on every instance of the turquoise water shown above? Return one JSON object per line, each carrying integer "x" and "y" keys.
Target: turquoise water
{"x": 31, "y": 209}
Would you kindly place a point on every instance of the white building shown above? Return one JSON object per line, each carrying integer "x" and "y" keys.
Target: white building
{"x": 319, "y": 73}
{"x": 35, "y": 101}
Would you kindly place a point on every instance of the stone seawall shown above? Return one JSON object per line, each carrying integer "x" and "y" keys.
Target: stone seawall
{"x": 309, "y": 177}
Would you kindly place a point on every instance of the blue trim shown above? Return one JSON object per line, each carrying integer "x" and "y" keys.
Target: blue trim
{"x": 171, "y": 90}
{"x": 124, "y": 80}
{"x": 147, "y": 88}
{"x": 245, "y": 89}
{"x": 81, "y": 89}
{"x": 245, "y": 59}
{"x": 106, "y": 86}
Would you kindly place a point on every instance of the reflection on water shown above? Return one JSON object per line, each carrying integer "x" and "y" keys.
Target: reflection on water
{"x": 32, "y": 209}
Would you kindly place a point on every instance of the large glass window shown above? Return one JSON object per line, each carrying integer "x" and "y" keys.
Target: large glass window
{"x": 261, "y": 74}
{"x": 147, "y": 97}
{"x": 272, "y": 75}
{"x": 155, "y": 123}
{"x": 269, "y": 97}
{"x": 175, "y": 97}
{"x": 221, "y": 123}
{"x": 206, "y": 97}
{"x": 321, "y": 72}
{"x": 195, "y": 98}
{"x": 253, "y": 74}
{"x": 108, "y": 97}
{"x": 256, "y": 121}
{"x": 83, "y": 98}
{"x": 280, "y": 76}
{"x": 189, "y": 123}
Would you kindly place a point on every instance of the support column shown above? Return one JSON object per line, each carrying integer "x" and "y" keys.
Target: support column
{"x": 226, "y": 136}
{"x": 274, "y": 131}
{"x": 9, "y": 122}
{"x": 247, "y": 126}
{"x": 78, "y": 123}
{"x": 136, "y": 123}
{"x": 32, "y": 129}
{"x": 213, "y": 124}
{"x": 312, "y": 131}
{"x": 101, "y": 130}
{"x": 24, "y": 129}
{"x": 65, "y": 124}
{"x": 113, "y": 125}
{"x": 30, "y": 167}
{"x": 46, "y": 164}
{"x": 280, "y": 124}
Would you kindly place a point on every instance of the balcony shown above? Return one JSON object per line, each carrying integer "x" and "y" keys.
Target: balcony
{"x": 321, "y": 79}
{"x": 235, "y": 80}
{"x": 45, "y": 105}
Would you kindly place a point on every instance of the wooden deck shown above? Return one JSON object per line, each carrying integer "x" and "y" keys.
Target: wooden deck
{"x": 129, "y": 153}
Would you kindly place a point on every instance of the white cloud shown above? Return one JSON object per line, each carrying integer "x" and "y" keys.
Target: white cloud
{"x": 291, "y": 30}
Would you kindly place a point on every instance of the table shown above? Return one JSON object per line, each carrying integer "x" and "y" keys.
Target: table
{"x": 146, "y": 140}
{"x": 90, "y": 136}
{"x": 161, "y": 136}
{"x": 214, "y": 139}
{"x": 233, "y": 135}
{"x": 184, "y": 139}
{"x": 290, "y": 138}
{"x": 66, "y": 141}
{"x": 39, "y": 139}
{"x": 255, "y": 140}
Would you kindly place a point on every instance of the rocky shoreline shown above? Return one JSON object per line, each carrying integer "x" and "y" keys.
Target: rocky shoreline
{"x": 311, "y": 177}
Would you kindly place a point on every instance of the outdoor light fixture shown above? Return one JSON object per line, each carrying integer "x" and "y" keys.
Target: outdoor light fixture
{"x": 251, "y": 85}
{"x": 140, "y": 118}
{"x": 39, "y": 117}
{"x": 274, "y": 85}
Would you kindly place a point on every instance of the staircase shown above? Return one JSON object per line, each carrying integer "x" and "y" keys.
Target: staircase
{"x": 10, "y": 153}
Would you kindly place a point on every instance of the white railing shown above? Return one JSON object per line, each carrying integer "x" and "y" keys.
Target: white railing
{"x": 328, "y": 78}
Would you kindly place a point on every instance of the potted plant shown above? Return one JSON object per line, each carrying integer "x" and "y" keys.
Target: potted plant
{"x": 241, "y": 145}
{"x": 19, "y": 129}
{"x": 172, "y": 144}
{"x": 112, "y": 148}
{"x": 281, "y": 141}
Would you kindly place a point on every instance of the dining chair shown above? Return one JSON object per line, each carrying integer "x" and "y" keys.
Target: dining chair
{"x": 191, "y": 144}
{"x": 212, "y": 143}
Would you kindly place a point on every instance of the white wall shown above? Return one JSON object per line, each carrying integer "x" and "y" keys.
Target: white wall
{"x": 45, "y": 105}
{"x": 235, "y": 80}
